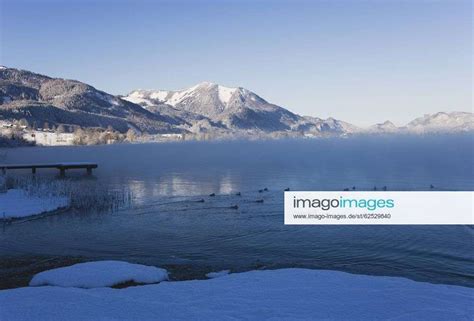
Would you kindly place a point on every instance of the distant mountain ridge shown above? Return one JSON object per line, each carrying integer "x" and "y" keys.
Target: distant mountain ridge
{"x": 236, "y": 109}
{"x": 206, "y": 108}
{"x": 240, "y": 109}
{"x": 233, "y": 108}
{"x": 385, "y": 127}
{"x": 442, "y": 123}
{"x": 39, "y": 98}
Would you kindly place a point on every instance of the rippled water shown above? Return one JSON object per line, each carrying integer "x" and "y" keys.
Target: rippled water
{"x": 166, "y": 225}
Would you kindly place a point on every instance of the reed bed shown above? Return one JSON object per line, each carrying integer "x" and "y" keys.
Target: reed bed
{"x": 84, "y": 194}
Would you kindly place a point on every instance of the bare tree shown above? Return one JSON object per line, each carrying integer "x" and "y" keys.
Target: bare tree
{"x": 79, "y": 136}
{"x": 131, "y": 135}
{"x": 60, "y": 129}
{"x": 23, "y": 123}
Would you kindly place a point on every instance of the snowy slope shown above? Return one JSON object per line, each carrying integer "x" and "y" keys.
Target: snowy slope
{"x": 213, "y": 275}
{"x": 187, "y": 99}
{"x": 288, "y": 294}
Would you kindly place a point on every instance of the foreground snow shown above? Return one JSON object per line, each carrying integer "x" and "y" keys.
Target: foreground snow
{"x": 288, "y": 294}
{"x": 17, "y": 203}
{"x": 99, "y": 274}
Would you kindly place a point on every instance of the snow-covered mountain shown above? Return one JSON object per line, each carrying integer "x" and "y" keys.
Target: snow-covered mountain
{"x": 236, "y": 109}
{"x": 206, "y": 108}
{"x": 383, "y": 128}
{"x": 318, "y": 126}
{"x": 207, "y": 99}
{"x": 41, "y": 99}
{"x": 441, "y": 122}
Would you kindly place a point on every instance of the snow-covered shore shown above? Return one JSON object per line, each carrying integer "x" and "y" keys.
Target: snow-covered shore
{"x": 17, "y": 203}
{"x": 286, "y": 294}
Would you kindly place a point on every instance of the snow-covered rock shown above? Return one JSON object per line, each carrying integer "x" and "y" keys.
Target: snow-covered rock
{"x": 287, "y": 294}
{"x": 99, "y": 274}
{"x": 30, "y": 204}
{"x": 213, "y": 275}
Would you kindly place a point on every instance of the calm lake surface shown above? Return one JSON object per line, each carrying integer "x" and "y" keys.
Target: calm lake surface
{"x": 164, "y": 225}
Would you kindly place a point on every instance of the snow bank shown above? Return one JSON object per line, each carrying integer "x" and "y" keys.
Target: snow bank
{"x": 99, "y": 274}
{"x": 17, "y": 203}
{"x": 213, "y": 275}
{"x": 288, "y": 294}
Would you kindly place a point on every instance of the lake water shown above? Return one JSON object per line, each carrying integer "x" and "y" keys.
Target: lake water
{"x": 165, "y": 226}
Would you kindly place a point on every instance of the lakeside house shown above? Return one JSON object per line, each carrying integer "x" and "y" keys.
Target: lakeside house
{"x": 49, "y": 138}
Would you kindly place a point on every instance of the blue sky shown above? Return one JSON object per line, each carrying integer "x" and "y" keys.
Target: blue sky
{"x": 360, "y": 61}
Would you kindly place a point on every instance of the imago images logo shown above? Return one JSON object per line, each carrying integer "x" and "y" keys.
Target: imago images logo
{"x": 326, "y": 204}
{"x": 369, "y": 208}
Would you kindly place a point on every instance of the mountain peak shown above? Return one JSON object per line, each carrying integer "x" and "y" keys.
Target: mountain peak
{"x": 208, "y": 97}
{"x": 443, "y": 122}
{"x": 388, "y": 123}
{"x": 206, "y": 84}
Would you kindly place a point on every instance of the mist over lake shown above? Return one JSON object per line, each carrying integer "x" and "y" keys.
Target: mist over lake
{"x": 166, "y": 224}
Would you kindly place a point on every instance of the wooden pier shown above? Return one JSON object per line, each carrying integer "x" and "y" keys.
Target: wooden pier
{"x": 61, "y": 166}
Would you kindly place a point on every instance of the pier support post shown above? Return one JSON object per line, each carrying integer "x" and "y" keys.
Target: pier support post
{"x": 33, "y": 170}
{"x": 89, "y": 171}
{"x": 62, "y": 172}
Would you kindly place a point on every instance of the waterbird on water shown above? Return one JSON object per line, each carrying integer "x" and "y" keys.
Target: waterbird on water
{"x": 353, "y": 188}
{"x": 212, "y": 194}
{"x": 260, "y": 190}
{"x": 200, "y": 201}
{"x": 385, "y": 188}
{"x": 265, "y": 189}
{"x": 238, "y": 194}
{"x": 431, "y": 186}
{"x": 375, "y": 188}
{"x": 346, "y": 189}
{"x": 235, "y": 207}
{"x": 287, "y": 189}
{"x": 259, "y": 201}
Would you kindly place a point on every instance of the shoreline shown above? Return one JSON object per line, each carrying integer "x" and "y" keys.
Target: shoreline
{"x": 19, "y": 220}
{"x": 257, "y": 139}
{"x": 17, "y": 271}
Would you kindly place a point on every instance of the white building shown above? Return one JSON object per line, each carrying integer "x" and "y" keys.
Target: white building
{"x": 173, "y": 136}
{"x": 49, "y": 139}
